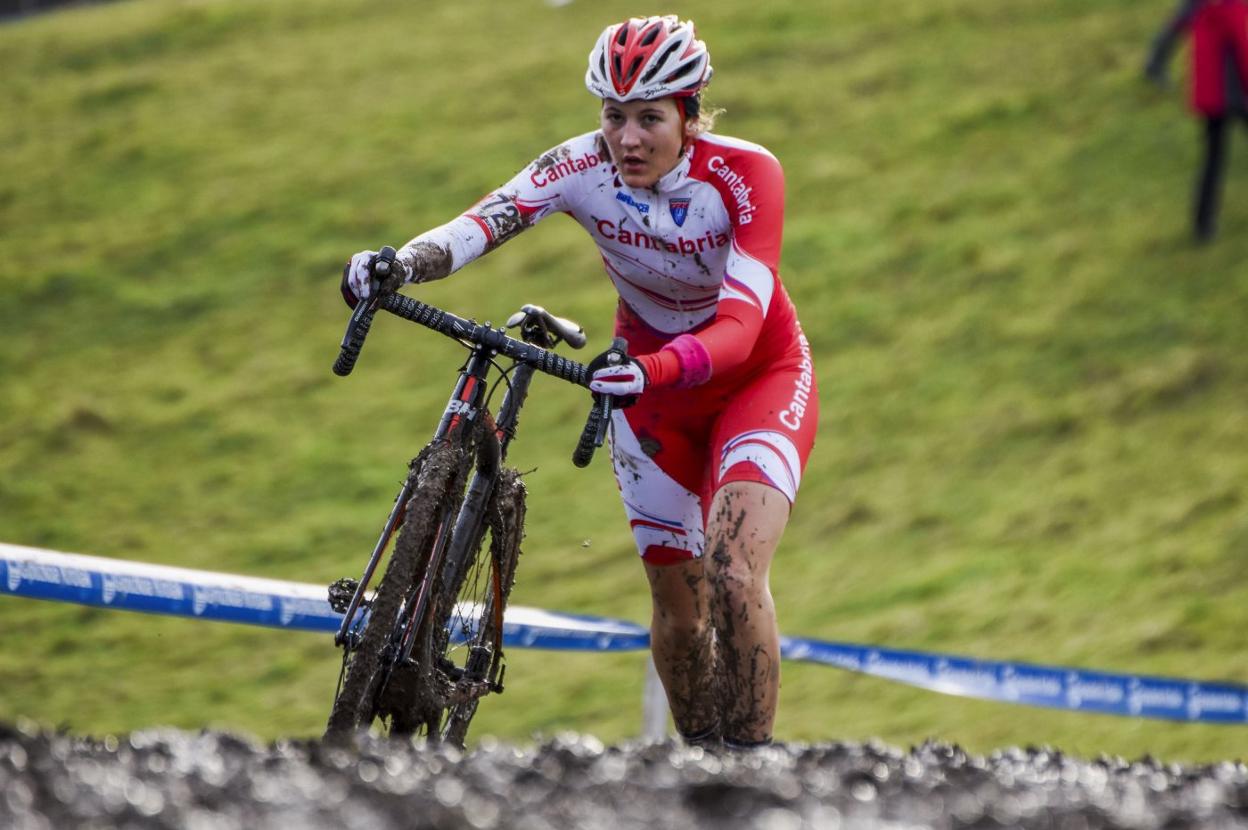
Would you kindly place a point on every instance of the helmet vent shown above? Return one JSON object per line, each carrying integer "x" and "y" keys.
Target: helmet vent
{"x": 658, "y": 62}
{"x": 681, "y": 70}
{"x": 622, "y": 36}
{"x": 649, "y": 36}
{"x": 632, "y": 69}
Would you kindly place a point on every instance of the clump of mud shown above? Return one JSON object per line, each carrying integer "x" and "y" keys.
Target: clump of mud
{"x": 165, "y": 778}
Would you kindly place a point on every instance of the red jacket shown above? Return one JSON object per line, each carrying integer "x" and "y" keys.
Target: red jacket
{"x": 1219, "y": 49}
{"x": 1219, "y": 75}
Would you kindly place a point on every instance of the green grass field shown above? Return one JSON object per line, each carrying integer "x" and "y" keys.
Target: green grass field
{"x": 1033, "y": 432}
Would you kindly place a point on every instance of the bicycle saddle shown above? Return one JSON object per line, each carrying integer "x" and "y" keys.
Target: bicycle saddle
{"x": 537, "y": 325}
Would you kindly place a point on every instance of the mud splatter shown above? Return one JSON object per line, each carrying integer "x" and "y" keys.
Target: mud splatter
{"x": 551, "y": 158}
{"x": 684, "y": 653}
{"x": 701, "y": 264}
{"x": 650, "y": 445}
{"x": 747, "y": 670}
{"x": 429, "y": 261}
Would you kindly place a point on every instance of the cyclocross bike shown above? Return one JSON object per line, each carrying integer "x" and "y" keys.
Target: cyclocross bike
{"x": 423, "y": 648}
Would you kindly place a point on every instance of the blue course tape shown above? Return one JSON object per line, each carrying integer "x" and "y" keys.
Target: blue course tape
{"x": 1050, "y": 686}
{"x": 157, "y": 589}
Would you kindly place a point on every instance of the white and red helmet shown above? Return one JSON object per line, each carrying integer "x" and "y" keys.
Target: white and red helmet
{"x": 645, "y": 58}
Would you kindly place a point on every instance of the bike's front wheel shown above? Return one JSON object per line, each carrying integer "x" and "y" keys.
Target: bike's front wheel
{"x": 455, "y": 656}
{"x": 478, "y": 605}
{"x": 437, "y": 476}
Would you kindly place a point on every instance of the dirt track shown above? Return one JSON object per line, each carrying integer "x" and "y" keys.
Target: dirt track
{"x": 202, "y": 781}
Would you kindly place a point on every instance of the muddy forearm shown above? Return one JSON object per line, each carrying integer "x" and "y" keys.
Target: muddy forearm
{"x": 442, "y": 251}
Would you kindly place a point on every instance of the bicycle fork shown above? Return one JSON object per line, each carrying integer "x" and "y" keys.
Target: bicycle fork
{"x": 469, "y": 528}
{"x": 464, "y": 403}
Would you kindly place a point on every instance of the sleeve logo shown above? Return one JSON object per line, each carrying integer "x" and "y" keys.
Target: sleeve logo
{"x": 736, "y": 186}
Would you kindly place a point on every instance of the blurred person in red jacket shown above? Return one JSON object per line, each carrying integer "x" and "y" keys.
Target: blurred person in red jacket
{"x": 1219, "y": 77}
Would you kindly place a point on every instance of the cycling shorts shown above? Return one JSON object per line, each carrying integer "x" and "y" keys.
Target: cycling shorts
{"x": 675, "y": 448}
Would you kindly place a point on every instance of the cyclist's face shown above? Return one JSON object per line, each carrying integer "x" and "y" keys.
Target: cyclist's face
{"x": 645, "y": 138}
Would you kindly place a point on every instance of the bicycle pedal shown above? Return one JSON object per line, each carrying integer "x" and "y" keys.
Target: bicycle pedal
{"x": 341, "y": 592}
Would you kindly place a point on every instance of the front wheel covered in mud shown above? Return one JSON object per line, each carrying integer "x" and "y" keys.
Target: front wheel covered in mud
{"x": 457, "y": 655}
{"x": 437, "y": 476}
{"x": 432, "y": 645}
{"x": 482, "y": 595}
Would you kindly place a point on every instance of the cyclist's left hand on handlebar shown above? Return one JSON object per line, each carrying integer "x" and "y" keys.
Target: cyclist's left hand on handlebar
{"x": 359, "y": 282}
{"x": 616, "y": 374}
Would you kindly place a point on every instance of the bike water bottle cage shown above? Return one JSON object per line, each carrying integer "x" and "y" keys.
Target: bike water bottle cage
{"x": 541, "y": 328}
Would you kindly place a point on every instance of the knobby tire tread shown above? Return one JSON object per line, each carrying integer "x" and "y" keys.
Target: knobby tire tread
{"x": 419, "y": 700}
{"x": 425, "y": 689}
{"x": 437, "y": 470}
{"x": 505, "y": 518}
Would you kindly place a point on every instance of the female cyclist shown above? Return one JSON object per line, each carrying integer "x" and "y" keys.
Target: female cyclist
{"x": 709, "y": 456}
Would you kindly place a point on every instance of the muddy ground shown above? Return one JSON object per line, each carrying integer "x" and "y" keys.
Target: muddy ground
{"x": 164, "y": 778}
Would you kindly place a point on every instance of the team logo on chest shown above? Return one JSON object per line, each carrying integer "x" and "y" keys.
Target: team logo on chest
{"x": 679, "y": 209}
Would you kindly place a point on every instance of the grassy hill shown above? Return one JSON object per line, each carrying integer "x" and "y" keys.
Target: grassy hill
{"x": 1033, "y": 386}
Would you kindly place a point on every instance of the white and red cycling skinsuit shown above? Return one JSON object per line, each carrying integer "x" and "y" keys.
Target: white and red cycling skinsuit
{"x": 731, "y": 393}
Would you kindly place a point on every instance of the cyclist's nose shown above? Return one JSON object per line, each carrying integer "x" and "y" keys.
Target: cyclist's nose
{"x": 630, "y": 136}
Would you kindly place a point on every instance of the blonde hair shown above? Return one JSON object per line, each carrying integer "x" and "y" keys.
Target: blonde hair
{"x": 703, "y": 118}
{"x": 704, "y": 121}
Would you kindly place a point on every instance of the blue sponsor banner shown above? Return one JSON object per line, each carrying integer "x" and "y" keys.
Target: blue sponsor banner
{"x": 1054, "y": 687}
{"x": 157, "y": 589}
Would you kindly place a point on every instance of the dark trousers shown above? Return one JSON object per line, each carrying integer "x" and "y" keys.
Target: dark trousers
{"x": 1209, "y": 185}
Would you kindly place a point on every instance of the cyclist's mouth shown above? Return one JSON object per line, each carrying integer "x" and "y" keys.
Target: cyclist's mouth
{"x": 633, "y": 164}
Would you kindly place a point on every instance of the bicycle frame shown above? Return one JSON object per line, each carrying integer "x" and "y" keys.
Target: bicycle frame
{"x": 451, "y": 545}
{"x": 467, "y": 402}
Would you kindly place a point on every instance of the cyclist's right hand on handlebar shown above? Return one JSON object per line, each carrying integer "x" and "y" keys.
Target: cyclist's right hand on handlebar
{"x": 359, "y": 281}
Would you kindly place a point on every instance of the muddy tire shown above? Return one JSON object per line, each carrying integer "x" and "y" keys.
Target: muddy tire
{"x": 457, "y": 655}
{"x": 439, "y": 473}
{"x": 495, "y": 570}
